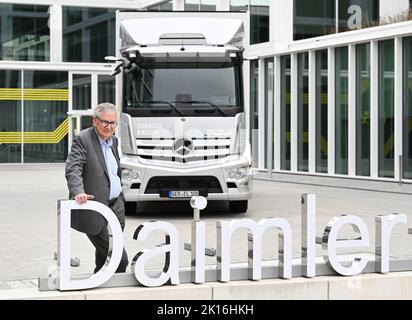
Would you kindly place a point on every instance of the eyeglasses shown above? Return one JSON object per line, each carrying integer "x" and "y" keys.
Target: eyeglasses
{"x": 112, "y": 124}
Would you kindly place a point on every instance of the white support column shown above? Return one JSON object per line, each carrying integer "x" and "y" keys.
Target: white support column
{"x": 22, "y": 115}
{"x": 331, "y": 110}
{"x": 95, "y": 90}
{"x": 269, "y": 123}
{"x": 374, "y": 115}
{"x": 56, "y": 33}
{"x": 222, "y": 5}
{"x": 281, "y": 21}
{"x": 294, "y": 113}
{"x": 246, "y": 97}
{"x": 261, "y": 112}
{"x": 70, "y": 107}
{"x": 352, "y": 110}
{"x": 398, "y": 75}
{"x": 178, "y": 5}
{"x": 276, "y": 113}
{"x": 312, "y": 111}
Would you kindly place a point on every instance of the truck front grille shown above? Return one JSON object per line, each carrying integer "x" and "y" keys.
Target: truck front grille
{"x": 195, "y": 149}
{"x": 209, "y": 183}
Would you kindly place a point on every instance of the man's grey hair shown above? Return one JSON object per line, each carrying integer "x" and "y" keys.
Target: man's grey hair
{"x": 104, "y": 107}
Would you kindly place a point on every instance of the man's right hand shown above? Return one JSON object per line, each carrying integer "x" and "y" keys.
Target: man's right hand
{"x": 82, "y": 198}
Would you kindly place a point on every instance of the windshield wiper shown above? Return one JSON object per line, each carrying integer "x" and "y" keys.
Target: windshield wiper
{"x": 205, "y": 102}
{"x": 161, "y": 102}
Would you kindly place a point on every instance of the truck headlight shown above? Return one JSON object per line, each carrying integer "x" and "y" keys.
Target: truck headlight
{"x": 238, "y": 173}
{"x": 129, "y": 175}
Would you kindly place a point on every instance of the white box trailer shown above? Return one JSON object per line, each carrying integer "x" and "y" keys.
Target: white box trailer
{"x": 182, "y": 126}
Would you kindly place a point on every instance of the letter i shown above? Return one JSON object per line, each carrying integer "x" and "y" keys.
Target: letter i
{"x": 198, "y": 251}
{"x": 308, "y": 234}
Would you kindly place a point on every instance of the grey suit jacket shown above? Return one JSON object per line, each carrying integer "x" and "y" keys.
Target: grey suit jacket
{"x": 86, "y": 172}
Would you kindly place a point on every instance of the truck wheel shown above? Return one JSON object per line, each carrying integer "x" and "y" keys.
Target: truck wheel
{"x": 238, "y": 206}
{"x": 130, "y": 208}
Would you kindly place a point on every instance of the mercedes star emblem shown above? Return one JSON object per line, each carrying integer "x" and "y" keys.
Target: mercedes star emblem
{"x": 183, "y": 146}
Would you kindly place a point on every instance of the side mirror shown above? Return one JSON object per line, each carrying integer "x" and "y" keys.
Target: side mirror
{"x": 116, "y": 70}
{"x": 125, "y": 61}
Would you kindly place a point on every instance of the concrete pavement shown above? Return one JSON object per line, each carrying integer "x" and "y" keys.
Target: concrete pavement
{"x": 28, "y": 221}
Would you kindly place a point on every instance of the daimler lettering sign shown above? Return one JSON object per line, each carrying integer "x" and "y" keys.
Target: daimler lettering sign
{"x": 225, "y": 229}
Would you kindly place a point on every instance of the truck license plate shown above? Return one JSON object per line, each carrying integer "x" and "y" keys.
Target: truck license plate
{"x": 183, "y": 194}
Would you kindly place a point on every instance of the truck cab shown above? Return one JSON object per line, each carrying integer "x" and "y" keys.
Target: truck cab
{"x": 182, "y": 125}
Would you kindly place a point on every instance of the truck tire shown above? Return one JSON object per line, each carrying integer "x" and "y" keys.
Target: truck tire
{"x": 130, "y": 208}
{"x": 238, "y": 206}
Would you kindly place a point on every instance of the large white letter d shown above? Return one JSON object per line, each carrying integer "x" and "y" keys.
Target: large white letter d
{"x": 64, "y": 281}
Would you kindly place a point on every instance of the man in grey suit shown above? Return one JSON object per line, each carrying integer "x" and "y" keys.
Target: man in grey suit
{"x": 93, "y": 172}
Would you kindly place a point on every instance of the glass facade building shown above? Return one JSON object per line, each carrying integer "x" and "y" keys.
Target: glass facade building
{"x": 24, "y": 32}
{"x": 336, "y": 105}
{"x": 321, "y": 17}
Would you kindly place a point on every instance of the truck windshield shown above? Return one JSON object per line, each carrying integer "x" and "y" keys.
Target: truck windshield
{"x": 191, "y": 90}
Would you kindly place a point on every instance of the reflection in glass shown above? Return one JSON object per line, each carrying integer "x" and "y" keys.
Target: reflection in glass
{"x": 285, "y": 87}
{"x": 106, "y": 89}
{"x": 208, "y": 5}
{"x": 259, "y": 21}
{"x": 303, "y": 109}
{"x": 363, "y": 109}
{"x": 254, "y": 112}
{"x": 386, "y": 123}
{"x": 82, "y": 92}
{"x": 10, "y": 116}
{"x": 210, "y": 82}
{"x": 24, "y": 32}
{"x": 322, "y": 111}
{"x": 341, "y": 113}
{"x": 313, "y": 18}
{"x": 45, "y": 116}
{"x": 269, "y": 92}
{"x": 88, "y": 34}
{"x": 164, "y": 6}
{"x": 192, "y": 5}
{"x": 407, "y": 109}
{"x": 239, "y": 5}
{"x": 318, "y": 17}
{"x": 369, "y": 12}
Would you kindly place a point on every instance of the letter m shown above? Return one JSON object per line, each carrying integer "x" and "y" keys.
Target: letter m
{"x": 225, "y": 230}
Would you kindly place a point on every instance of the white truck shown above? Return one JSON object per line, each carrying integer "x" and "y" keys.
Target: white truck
{"x": 182, "y": 125}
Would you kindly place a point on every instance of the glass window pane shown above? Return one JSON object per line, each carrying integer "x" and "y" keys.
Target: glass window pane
{"x": 254, "y": 112}
{"x": 341, "y": 112}
{"x": 285, "y": 87}
{"x": 82, "y": 91}
{"x": 10, "y": 116}
{"x": 239, "y": 5}
{"x": 313, "y": 18}
{"x": 88, "y": 34}
{"x": 369, "y": 13}
{"x": 24, "y": 32}
{"x": 407, "y": 110}
{"x": 192, "y": 5}
{"x": 106, "y": 89}
{"x": 363, "y": 109}
{"x": 45, "y": 116}
{"x": 386, "y": 122}
{"x": 322, "y": 111}
{"x": 259, "y": 21}
{"x": 165, "y": 6}
{"x": 208, "y": 5}
{"x": 303, "y": 109}
{"x": 269, "y": 87}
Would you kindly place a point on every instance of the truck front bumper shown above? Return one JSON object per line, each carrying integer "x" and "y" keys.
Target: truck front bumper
{"x": 233, "y": 187}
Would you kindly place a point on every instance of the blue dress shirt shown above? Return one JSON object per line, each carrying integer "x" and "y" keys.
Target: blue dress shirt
{"x": 112, "y": 167}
